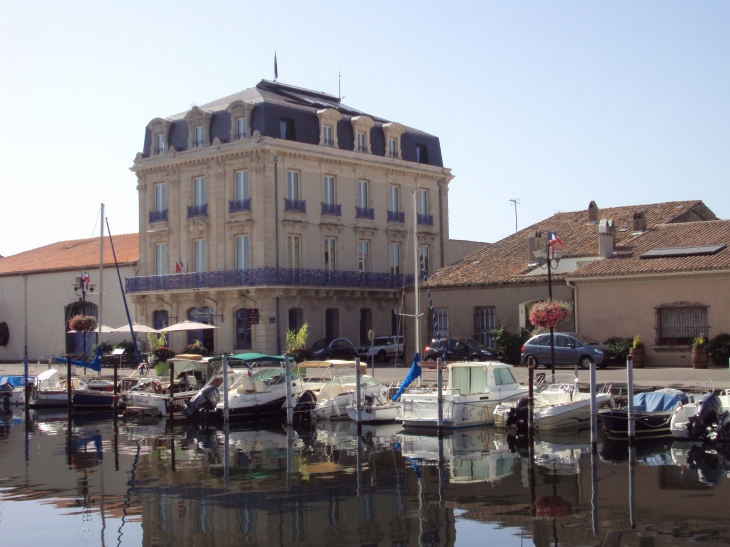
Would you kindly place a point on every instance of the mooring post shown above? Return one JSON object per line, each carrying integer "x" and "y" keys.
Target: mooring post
{"x": 594, "y": 409}
{"x": 68, "y": 384}
{"x": 225, "y": 391}
{"x": 530, "y": 394}
{"x": 358, "y": 394}
{"x": 594, "y": 491}
{"x": 632, "y": 485}
{"x": 287, "y": 378}
{"x": 630, "y": 387}
{"x": 440, "y": 400}
{"x": 172, "y": 404}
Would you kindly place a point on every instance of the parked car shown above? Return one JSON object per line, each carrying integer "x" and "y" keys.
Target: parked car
{"x": 571, "y": 349}
{"x": 337, "y": 348}
{"x": 383, "y": 348}
{"x": 461, "y": 349}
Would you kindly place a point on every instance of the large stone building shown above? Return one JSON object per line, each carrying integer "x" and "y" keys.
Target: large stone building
{"x": 277, "y": 206}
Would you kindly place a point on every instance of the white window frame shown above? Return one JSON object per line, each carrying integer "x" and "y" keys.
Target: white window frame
{"x": 242, "y": 185}
{"x": 362, "y": 141}
{"x": 200, "y": 255}
{"x": 422, "y": 200}
{"x": 328, "y": 190}
{"x": 363, "y": 191}
{"x": 394, "y": 258}
{"x": 393, "y": 147}
{"x": 241, "y": 127}
{"x": 293, "y": 252}
{"x": 425, "y": 252}
{"x": 394, "y": 198}
{"x": 160, "y": 258}
{"x": 327, "y": 135}
{"x": 199, "y": 191}
{"x": 292, "y": 186}
{"x": 330, "y": 254}
{"x": 363, "y": 255}
{"x": 199, "y": 135}
{"x": 243, "y": 252}
{"x": 160, "y": 144}
{"x": 161, "y": 197}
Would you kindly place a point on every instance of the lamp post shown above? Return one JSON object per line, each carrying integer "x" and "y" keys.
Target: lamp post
{"x": 84, "y": 285}
{"x": 549, "y": 259}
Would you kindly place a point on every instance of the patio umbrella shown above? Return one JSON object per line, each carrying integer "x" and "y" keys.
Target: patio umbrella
{"x": 136, "y": 327}
{"x": 104, "y": 328}
{"x": 187, "y": 325}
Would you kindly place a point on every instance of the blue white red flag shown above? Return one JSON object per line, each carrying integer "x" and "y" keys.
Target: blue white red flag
{"x": 553, "y": 238}
{"x": 86, "y": 281}
{"x": 178, "y": 268}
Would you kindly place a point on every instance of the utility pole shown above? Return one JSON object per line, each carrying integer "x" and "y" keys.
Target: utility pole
{"x": 515, "y": 202}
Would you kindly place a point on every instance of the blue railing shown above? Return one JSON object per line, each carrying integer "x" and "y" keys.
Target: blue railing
{"x": 197, "y": 211}
{"x": 364, "y": 212}
{"x": 331, "y": 209}
{"x": 267, "y": 276}
{"x": 236, "y": 206}
{"x": 158, "y": 216}
{"x": 299, "y": 206}
{"x": 426, "y": 220}
{"x": 396, "y": 216}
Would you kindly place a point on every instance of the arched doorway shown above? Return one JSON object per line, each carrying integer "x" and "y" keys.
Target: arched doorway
{"x": 201, "y": 315}
{"x": 75, "y": 341}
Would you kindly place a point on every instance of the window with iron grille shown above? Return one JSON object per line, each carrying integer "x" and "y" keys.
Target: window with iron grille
{"x": 485, "y": 321}
{"x": 442, "y": 320}
{"x": 679, "y": 325}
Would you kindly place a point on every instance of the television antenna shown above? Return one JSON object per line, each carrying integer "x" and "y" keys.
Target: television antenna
{"x": 515, "y": 202}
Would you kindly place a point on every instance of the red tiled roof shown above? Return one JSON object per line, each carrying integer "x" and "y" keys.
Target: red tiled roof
{"x": 626, "y": 259}
{"x": 72, "y": 255}
{"x": 506, "y": 261}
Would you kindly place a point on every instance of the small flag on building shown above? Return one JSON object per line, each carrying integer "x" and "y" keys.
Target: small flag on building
{"x": 553, "y": 239}
{"x": 178, "y": 268}
{"x": 86, "y": 281}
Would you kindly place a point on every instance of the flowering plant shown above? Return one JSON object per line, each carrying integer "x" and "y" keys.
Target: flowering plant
{"x": 638, "y": 342}
{"x": 82, "y": 323}
{"x": 699, "y": 342}
{"x": 550, "y": 313}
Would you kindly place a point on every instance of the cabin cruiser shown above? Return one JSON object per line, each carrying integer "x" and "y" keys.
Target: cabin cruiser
{"x": 557, "y": 406}
{"x": 473, "y": 392}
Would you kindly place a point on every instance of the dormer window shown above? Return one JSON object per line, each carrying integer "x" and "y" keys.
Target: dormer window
{"x": 328, "y": 119}
{"x": 327, "y": 140}
{"x": 393, "y": 132}
{"x": 160, "y": 144}
{"x": 286, "y": 129}
{"x": 241, "y": 129}
{"x": 421, "y": 153}
{"x": 362, "y": 142}
{"x": 361, "y": 126}
{"x": 393, "y": 148}
{"x": 199, "y": 136}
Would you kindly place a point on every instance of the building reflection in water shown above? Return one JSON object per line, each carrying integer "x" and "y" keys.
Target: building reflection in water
{"x": 327, "y": 486}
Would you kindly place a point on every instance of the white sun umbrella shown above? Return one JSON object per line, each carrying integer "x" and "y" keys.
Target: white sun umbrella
{"x": 104, "y": 328}
{"x": 187, "y": 325}
{"x": 137, "y": 328}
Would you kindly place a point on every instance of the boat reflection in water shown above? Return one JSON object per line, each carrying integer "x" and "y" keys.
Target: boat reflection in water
{"x": 325, "y": 485}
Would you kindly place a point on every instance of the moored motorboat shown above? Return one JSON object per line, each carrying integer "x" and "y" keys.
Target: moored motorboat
{"x": 697, "y": 419}
{"x": 653, "y": 413}
{"x": 11, "y": 389}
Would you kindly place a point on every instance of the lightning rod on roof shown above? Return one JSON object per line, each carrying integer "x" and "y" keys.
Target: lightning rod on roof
{"x": 516, "y": 202}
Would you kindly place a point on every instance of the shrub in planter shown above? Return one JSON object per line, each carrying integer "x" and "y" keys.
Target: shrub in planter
{"x": 510, "y": 344}
{"x": 719, "y": 348}
{"x": 620, "y": 346}
{"x": 296, "y": 344}
{"x": 196, "y": 348}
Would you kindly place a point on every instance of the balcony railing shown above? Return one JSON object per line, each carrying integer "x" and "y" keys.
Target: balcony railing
{"x": 239, "y": 136}
{"x": 160, "y": 151}
{"x": 396, "y": 216}
{"x": 198, "y": 144}
{"x": 236, "y": 206}
{"x": 328, "y": 142}
{"x": 267, "y": 276}
{"x": 158, "y": 216}
{"x": 426, "y": 220}
{"x": 362, "y": 148}
{"x": 332, "y": 209}
{"x": 197, "y": 211}
{"x": 295, "y": 205}
{"x": 364, "y": 212}
{"x": 393, "y": 154}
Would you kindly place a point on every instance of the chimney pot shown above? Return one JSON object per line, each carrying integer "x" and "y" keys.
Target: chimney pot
{"x": 534, "y": 243}
{"x": 606, "y": 238}
{"x": 592, "y": 212}
{"x": 640, "y": 221}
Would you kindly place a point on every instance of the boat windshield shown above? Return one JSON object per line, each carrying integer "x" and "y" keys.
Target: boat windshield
{"x": 364, "y": 380}
{"x": 268, "y": 374}
{"x": 503, "y": 375}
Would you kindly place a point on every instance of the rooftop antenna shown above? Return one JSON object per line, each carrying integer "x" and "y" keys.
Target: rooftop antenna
{"x": 339, "y": 85}
{"x": 515, "y": 202}
{"x": 276, "y": 68}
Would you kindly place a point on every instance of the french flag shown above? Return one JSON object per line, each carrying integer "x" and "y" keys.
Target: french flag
{"x": 554, "y": 238}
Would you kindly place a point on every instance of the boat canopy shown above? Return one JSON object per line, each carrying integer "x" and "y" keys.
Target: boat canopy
{"x": 46, "y": 375}
{"x": 250, "y": 358}
{"x": 659, "y": 401}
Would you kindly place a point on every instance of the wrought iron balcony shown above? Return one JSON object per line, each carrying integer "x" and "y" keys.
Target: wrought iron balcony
{"x": 158, "y": 216}
{"x": 328, "y": 142}
{"x": 362, "y": 148}
{"x": 198, "y": 144}
{"x": 295, "y": 205}
{"x": 332, "y": 209}
{"x": 267, "y": 276}
{"x": 160, "y": 151}
{"x": 239, "y": 136}
{"x": 396, "y": 216}
{"x": 197, "y": 211}
{"x": 364, "y": 212}
{"x": 393, "y": 154}
{"x": 236, "y": 206}
{"x": 426, "y": 220}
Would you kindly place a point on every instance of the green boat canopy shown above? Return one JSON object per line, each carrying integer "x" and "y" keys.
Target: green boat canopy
{"x": 251, "y": 358}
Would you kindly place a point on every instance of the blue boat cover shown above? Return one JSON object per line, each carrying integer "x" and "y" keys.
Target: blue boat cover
{"x": 15, "y": 381}
{"x": 658, "y": 401}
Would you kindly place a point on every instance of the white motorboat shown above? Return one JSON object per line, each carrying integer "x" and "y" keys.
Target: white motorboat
{"x": 11, "y": 389}
{"x": 473, "y": 392}
{"x": 375, "y": 407}
{"x": 683, "y": 414}
{"x": 558, "y": 406}
{"x": 48, "y": 390}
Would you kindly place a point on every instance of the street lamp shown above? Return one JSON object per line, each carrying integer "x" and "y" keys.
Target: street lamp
{"x": 549, "y": 259}
{"x": 82, "y": 283}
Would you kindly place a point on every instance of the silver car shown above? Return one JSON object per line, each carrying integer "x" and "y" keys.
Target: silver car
{"x": 571, "y": 349}
{"x": 383, "y": 348}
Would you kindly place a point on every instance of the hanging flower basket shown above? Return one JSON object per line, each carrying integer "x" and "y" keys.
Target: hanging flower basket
{"x": 550, "y": 313}
{"x": 82, "y": 323}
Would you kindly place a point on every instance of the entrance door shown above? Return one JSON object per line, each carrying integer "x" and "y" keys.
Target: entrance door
{"x": 202, "y": 315}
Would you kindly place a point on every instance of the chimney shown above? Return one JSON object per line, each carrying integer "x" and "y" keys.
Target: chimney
{"x": 592, "y": 213}
{"x": 606, "y": 238}
{"x": 534, "y": 243}
{"x": 640, "y": 221}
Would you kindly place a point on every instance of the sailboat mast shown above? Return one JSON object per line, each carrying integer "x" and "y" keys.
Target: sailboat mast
{"x": 417, "y": 277}
{"x": 101, "y": 274}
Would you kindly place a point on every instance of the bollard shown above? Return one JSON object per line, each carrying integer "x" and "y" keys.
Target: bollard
{"x": 287, "y": 377}
{"x": 594, "y": 409}
{"x": 630, "y": 387}
{"x": 225, "y": 391}
{"x": 440, "y": 400}
{"x": 172, "y": 406}
{"x": 357, "y": 392}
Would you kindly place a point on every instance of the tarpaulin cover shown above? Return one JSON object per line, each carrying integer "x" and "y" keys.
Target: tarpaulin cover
{"x": 658, "y": 401}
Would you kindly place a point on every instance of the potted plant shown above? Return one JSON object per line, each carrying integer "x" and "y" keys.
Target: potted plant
{"x": 550, "y": 313}
{"x": 82, "y": 323}
{"x": 637, "y": 352}
{"x": 296, "y": 344}
{"x": 700, "y": 354}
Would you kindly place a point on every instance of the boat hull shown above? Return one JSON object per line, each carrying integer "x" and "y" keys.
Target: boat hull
{"x": 374, "y": 414}
{"x": 274, "y": 410}
{"x": 648, "y": 424}
{"x": 49, "y": 399}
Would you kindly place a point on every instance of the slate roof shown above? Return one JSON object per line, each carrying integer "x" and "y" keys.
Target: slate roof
{"x": 74, "y": 254}
{"x": 626, "y": 259}
{"x": 506, "y": 261}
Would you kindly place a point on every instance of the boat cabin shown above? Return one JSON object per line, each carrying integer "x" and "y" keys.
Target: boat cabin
{"x": 466, "y": 378}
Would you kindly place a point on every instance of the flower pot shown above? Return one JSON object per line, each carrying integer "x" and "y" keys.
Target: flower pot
{"x": 637, "y": 354}
{"x": 699, "y": 357}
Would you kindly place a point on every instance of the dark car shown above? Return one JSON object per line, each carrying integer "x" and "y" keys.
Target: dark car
{"x": 461, "y": 349}
{"x": 571, "y": 349}
{"x": 337, "y": 348}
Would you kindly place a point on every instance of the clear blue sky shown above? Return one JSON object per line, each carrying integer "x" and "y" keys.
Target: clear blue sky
{"x": 554, "y": 103}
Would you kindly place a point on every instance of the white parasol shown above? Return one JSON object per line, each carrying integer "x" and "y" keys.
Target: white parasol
{"x": 187, "y": 325}
{"x": 136, "y": 327}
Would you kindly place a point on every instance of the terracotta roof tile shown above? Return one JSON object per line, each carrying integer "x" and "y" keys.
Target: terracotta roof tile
{"x": 626, "y": 260}
{"x": 72, "y": 255}
{"x": 505, "y": 261}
